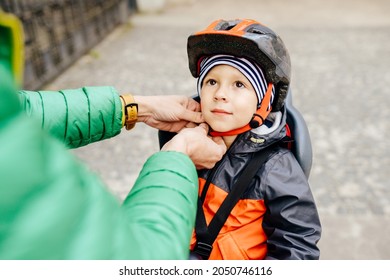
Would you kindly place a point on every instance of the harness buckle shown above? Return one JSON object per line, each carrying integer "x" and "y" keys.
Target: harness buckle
{"x": 203, "y": 250}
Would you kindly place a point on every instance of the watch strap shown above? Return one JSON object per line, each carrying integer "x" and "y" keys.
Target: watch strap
{"x": 130, "y": 110}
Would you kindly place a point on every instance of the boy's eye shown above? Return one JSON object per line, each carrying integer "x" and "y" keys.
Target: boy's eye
{"x": 239, "y": 84}
{"x": 211, "y": 82}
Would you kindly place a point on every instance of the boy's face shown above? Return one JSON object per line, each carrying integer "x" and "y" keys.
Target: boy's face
{"x": 228, "y": 100}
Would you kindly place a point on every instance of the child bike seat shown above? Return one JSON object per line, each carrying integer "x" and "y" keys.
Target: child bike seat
{"x": 301, "y": 145}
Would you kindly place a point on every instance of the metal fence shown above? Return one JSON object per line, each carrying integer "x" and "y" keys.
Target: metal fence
{"x": 57, "y": 32}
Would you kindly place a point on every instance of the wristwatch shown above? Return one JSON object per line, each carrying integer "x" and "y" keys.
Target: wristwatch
{"x": 130, "y": 109}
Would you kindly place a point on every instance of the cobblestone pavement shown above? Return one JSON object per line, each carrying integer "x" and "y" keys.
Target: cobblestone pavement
{"x": 340, "y": 53}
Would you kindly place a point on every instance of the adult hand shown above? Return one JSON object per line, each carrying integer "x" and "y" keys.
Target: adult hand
{"x": 204, "y": 151}
{"x": 169, "y": 113}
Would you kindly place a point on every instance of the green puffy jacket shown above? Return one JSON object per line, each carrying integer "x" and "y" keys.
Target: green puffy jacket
{"x": 53, "y": 207}
{"x": 77, "y": 117}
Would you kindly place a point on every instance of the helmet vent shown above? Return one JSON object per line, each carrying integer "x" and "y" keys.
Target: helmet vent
{"x": 256, "y": 31}
{"x": 225, "y": 25}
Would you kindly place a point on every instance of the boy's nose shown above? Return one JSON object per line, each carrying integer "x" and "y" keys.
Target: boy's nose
{"x": 220, "y": 95}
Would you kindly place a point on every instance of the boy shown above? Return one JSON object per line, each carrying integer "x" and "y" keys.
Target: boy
{"x": 243, "y": 71}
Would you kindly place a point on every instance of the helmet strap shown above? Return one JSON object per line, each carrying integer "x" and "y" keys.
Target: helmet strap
{"x": 257, "y": 120}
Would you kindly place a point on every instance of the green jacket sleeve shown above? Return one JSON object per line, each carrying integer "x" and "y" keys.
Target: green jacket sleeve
{"x": 52, "y": 207}
{"x": 77, "y": 117}
{"x": 163, "y": 200}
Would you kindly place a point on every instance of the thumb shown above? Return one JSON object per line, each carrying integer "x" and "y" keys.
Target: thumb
{"x": 192, "y": 116}
{"x": 205, "y": 127}
{"x": 219, "y": 141}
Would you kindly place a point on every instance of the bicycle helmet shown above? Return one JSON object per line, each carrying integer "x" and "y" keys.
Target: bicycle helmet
{"x": 248, "y": 39}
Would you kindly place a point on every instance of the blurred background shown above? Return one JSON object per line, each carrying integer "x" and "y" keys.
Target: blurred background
{"x": 340, "y": 53}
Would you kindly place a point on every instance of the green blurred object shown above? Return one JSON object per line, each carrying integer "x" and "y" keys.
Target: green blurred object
{"x": 53, "y": 207}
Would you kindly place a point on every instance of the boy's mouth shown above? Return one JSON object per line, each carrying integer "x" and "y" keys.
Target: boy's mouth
{"x": 220, "y": 112}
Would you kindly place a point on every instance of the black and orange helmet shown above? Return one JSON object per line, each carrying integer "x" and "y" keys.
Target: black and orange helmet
{"x": 249, "y": 39}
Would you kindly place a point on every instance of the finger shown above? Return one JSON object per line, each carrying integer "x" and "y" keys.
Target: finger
{"x": 205, "y": 127}
{"x": 191, "y": 125}
{"x": 193, "y": 105}
{"x": 219, "y": 141}
{"x": 192, "y": 116}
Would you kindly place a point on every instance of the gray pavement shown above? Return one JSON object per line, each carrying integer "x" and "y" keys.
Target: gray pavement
{"x": 340, "y": 53}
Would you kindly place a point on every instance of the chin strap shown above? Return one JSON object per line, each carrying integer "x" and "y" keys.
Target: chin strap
{"x": 257, "y": 119}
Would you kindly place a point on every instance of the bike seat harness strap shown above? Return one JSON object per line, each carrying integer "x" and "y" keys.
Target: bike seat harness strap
{"x": 206, "y": 235}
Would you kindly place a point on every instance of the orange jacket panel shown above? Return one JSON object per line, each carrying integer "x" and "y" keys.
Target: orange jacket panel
{"x": 242, "y": 236}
